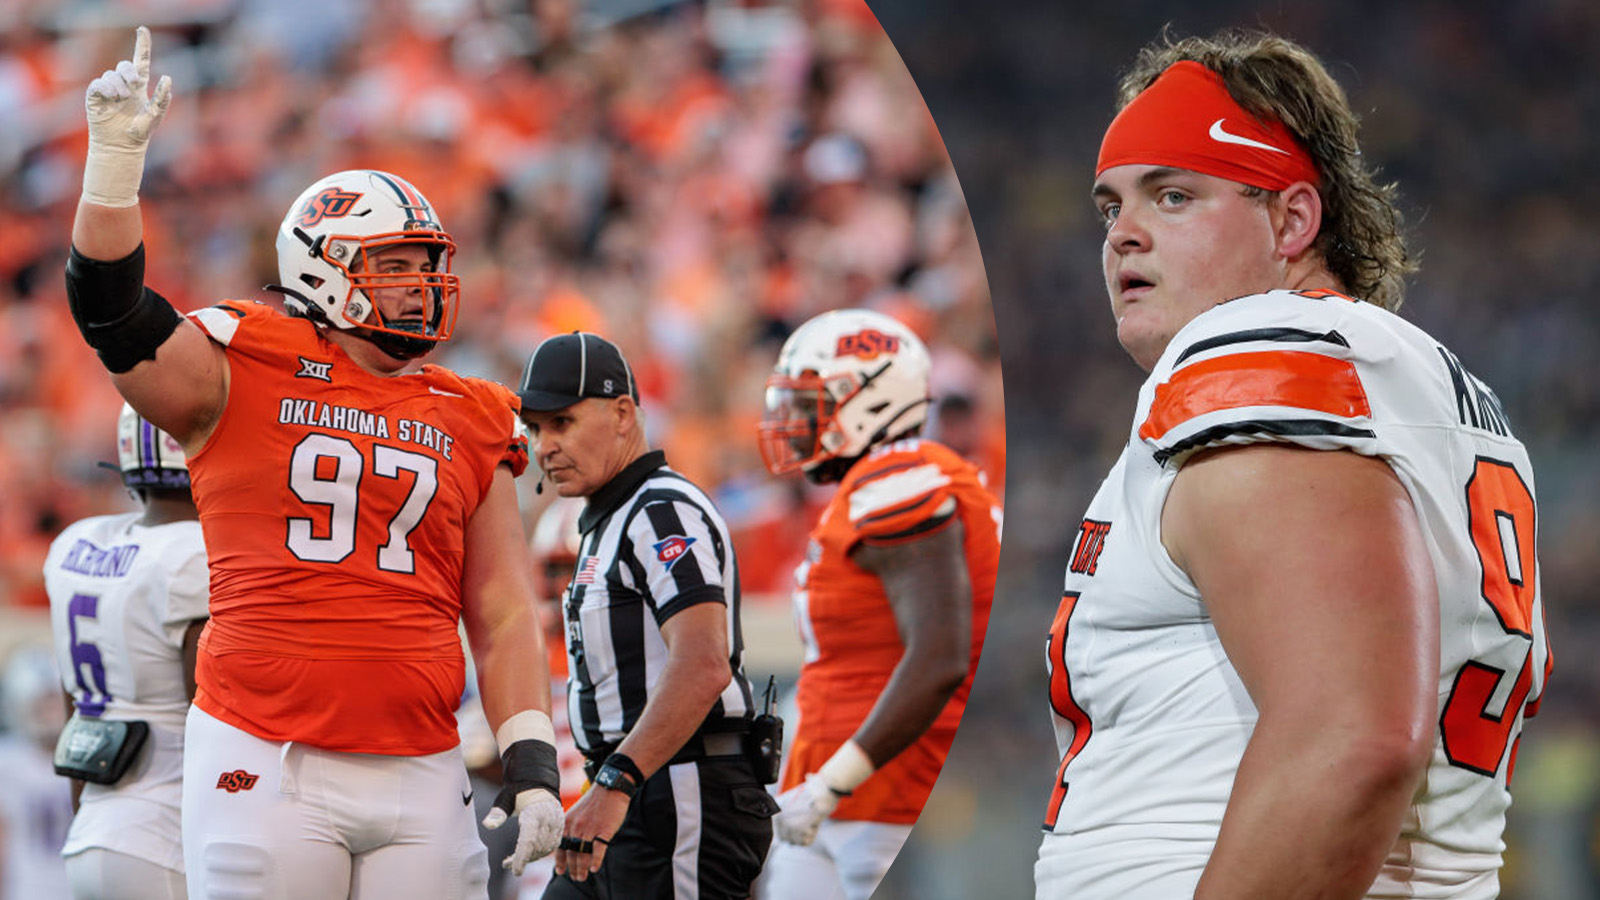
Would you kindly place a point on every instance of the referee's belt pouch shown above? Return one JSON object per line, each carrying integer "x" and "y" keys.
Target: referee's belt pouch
{"x": 754, "y": 801}
{"x": 763, "y": 744}
{"x": 98, "y": 751}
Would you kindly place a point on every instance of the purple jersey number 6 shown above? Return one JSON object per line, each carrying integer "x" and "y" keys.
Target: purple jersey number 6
{"x": 86, "y": 664}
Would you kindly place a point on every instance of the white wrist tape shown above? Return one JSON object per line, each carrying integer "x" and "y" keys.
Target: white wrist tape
{"x": 530, "y": 724}
{"x": 111, "y": 175}
{"x": 846, "y": 768}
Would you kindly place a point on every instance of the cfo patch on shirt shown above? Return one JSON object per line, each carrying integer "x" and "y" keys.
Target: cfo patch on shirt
{"x": 671, "y": 549}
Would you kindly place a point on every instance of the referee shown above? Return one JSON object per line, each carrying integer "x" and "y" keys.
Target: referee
{"x": 657, "y": 695}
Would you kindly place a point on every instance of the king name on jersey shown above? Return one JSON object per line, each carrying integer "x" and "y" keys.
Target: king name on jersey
{"x": 328, "y": 416}
{"x": 1476, "y": 404}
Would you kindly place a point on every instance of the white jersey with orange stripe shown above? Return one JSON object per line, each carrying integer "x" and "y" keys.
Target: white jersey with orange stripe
{"x": 1152, "y": 720}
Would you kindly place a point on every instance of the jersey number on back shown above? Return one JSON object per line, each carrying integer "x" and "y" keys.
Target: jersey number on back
{"x": 1502, "y": 517}
{"x": 88, "y": 668}
{"x": 327, "y": 471}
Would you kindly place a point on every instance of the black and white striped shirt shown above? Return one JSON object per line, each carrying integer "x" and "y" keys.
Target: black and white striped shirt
{"x": 653, "y": 546}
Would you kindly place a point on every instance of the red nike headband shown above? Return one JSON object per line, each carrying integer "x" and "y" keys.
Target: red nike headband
{"x": 1187, "y": 119}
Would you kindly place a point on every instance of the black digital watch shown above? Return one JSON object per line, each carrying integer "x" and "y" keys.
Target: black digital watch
{"x": 615, "y": 779}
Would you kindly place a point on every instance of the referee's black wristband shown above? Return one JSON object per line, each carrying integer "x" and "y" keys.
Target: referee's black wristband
{"x": 625, "y": 763}
{"x": 528, "y": 764}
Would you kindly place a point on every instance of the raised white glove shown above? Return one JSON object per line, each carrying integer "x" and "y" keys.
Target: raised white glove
{"x": 802, "y": 809}
{"x": 121, "y": 116}
{"x": 539, "y": 825}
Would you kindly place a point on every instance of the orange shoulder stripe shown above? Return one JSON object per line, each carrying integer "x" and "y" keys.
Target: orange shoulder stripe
{"x": 1294, "y": 378}
{"x": 1325, "y": 293}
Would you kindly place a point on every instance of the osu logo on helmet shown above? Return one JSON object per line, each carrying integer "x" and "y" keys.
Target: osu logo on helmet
{"x": 330, "y": 203}
{"x": 866, "y": 344}
{"x": 236, "y": 781}
{"x": 670, "y": 550}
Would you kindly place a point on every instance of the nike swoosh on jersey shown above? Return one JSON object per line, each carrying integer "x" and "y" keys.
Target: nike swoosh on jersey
{"x": 444, "y": 393}
{"x": 1219, "y": 134}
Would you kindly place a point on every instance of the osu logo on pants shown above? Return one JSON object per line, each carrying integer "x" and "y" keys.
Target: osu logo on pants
{"x": 236, "y": 781}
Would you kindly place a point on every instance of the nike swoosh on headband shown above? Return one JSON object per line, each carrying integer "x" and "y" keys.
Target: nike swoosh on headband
{"x": 1218, "y": 134}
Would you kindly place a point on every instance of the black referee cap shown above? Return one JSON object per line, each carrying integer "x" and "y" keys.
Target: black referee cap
{"x": 569, "y": 367}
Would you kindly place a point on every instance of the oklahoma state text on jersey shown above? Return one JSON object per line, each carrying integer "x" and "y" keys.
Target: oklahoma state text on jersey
{"x": 1151, "y": 717}
{"x": 334, "y": 504}
{"x": 898, "y": 492}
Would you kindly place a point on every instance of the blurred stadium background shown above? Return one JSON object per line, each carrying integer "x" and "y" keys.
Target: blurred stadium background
{"x": 692, "y": 180}
{"x": 1488, "y": 116}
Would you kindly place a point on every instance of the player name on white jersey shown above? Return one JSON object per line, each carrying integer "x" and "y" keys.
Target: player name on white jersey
{"x": 1476, "y": 405}
{"x": 88, "y": 558}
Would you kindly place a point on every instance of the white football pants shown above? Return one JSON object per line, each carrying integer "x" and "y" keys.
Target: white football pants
{"x": 100, "y": 874}
{"x": 845, "y": 862}
{"x": 264, "y": 820}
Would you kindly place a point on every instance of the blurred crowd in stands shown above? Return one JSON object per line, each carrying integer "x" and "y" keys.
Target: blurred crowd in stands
{"x": 1488, "y": 117}
{"x": 690, "y": 180}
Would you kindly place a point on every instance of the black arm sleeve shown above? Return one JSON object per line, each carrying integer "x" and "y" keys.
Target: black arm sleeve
{"x": 119, "y": 317}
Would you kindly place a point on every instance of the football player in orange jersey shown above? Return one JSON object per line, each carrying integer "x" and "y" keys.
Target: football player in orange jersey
{"x": 352, "y": 518}
{"x": 892, "y": 599}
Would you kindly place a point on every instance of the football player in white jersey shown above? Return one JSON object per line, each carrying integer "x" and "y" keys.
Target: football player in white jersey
{"x": 128, "y": 598}
{"x": 1301, "y": 625}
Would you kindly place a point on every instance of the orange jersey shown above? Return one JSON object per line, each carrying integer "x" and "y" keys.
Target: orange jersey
{"x": 334, "y": 504}
{"x": 896, "y": 493}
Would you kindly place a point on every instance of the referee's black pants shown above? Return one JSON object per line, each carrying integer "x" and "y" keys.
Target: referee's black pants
{"x": 695, "y": 830}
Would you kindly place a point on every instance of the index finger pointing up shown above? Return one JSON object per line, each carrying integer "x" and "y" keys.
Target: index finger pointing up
{"x": 141, "y": 53}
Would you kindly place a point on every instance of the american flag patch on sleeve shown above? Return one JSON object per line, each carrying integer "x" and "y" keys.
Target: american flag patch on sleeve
{"x": 586, "y": 570}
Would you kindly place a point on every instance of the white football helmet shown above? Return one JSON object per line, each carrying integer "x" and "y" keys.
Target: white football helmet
{"x": 554, "y": 546}
{"x": 845, "y": 381}
{"x": 325, "y": 248}
{"x": 148, "y": 456}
